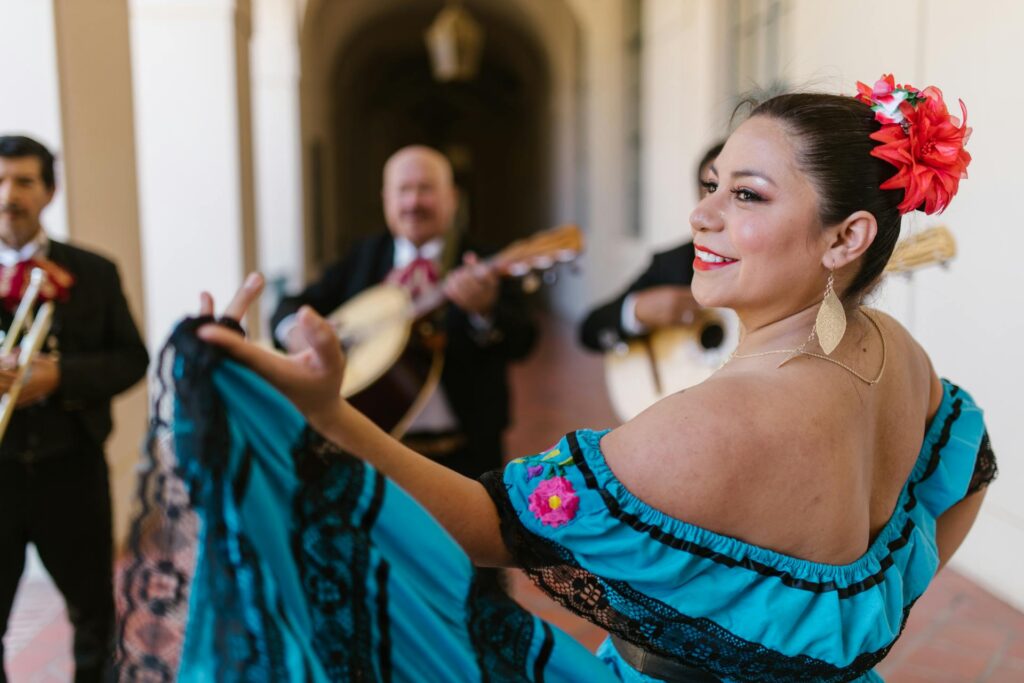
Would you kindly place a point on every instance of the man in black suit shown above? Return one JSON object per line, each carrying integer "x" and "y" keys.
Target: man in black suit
{"x": 660, "y": 297}
{"x": 54, "y": 490}
{"x": 487, "y": 324}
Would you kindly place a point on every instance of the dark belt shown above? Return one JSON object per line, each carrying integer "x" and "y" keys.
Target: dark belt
{"x": 658, "y": 666}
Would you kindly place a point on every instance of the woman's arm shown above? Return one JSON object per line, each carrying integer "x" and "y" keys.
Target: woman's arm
{"x": 952, "y": 527}
{"x": 311, "y": 380}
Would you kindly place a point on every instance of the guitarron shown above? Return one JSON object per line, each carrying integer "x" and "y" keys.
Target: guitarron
{"x": 394, "y": 354}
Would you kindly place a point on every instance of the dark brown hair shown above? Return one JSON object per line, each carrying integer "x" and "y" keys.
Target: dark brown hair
{"x": 14, "y": 146}
{"x": 834, "y": 150}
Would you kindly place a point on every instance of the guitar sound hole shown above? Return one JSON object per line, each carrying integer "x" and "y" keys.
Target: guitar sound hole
{"x": 712, "y": 336}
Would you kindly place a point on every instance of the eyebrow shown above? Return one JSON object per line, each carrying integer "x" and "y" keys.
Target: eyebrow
{"x": 746, "y": 173}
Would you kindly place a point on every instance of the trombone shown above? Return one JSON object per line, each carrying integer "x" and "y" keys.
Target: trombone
{"x": 33, "y": 342}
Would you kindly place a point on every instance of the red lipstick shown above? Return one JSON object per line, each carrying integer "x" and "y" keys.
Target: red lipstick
{"x": 699, "y": 264}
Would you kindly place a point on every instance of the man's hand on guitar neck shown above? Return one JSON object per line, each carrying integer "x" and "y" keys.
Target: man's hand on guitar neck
{"x": 473, "y": 286}
{"x": 665, "y": 306}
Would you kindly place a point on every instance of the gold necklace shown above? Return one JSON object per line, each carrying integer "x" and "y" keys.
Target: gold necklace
{"x": 799, "y": 351}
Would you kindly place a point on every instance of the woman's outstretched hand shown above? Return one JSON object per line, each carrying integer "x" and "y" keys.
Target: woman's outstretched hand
{"x": 311, "y": 379}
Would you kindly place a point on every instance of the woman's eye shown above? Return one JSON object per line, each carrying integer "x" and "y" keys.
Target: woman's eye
{"x": 745, "y": 195}
{"x": 709, "y": 186}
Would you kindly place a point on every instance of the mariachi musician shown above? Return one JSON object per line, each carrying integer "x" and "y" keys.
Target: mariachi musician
{"x": 486, "y": 325}
{"x": 660, "y": 297}
{"x": 54, "y": 490}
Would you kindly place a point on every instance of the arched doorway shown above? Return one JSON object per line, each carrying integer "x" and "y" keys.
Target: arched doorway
{"x": 367, "y": 90}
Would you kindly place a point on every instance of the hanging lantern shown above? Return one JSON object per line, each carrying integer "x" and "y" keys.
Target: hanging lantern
{"x": 455, "y": 42}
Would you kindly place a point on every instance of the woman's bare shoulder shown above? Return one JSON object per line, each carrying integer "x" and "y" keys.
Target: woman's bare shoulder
{"x": 694, "y": 453}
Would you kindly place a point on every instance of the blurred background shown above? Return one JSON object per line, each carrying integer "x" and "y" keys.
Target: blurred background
{"x": 201, "y": 139}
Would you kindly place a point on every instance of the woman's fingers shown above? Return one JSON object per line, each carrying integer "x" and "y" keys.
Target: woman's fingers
{"x": 321, "y": 337}
{"x": 246, "y": 294}
{"x": 205, "y": 304}
{"x": 264, "y": 361}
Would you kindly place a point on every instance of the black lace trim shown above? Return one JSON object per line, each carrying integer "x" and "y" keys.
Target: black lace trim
{"x": 332, "y": 551}
{"x": 156, "y": 584}
{"x": 501, "y": 633}
{"x": 985, "y": 468}
{"x": 652, "y": 624}
{"x": 330, "y": 546}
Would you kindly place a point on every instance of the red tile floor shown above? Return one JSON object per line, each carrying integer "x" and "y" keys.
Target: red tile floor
{"x": 957, "y": 633}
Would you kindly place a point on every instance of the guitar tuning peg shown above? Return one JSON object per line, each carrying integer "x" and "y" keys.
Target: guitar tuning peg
{"x": 531, "y": 283}
{"x": 565, "y": 256}
{"x": 518, "y": 269}
{"x": 543, "y": 262}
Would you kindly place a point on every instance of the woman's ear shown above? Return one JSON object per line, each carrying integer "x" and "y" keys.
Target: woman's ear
{"x": 850, "y": 239}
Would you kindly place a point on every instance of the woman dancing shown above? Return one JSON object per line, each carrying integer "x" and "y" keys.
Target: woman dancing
{"x": 775, "y": 523}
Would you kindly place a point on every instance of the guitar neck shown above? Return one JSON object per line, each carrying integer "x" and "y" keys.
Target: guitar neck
{"x": 539, "y": 252}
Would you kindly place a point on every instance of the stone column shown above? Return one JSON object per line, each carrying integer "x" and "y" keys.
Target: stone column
{"x": 93, "y": 58}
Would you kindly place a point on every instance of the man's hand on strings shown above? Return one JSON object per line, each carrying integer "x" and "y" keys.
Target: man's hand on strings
{"x": 473, "y": 286}
{"x": 665, "y": 306}
{"x": 311, "y": 379}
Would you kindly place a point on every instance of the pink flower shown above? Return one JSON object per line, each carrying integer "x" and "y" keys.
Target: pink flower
{"x": 554, "y": 501}
{"x": 886, "y": 98}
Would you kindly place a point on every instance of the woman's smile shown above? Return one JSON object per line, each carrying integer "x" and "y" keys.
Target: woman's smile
{"x": 708, "y": 260}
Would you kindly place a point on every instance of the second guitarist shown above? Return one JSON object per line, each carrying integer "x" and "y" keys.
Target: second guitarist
{"x": 660, "y": 297}
{"x": 486, "y": 326}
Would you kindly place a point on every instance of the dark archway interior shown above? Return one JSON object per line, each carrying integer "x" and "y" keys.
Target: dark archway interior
{"x": 493, "y": 128}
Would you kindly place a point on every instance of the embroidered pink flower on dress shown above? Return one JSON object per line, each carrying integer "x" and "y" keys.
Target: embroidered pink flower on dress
{"x": 554, "y": 501}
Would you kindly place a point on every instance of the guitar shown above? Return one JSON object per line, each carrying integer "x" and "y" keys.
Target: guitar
{"x": 394, "y": 353}
{"x": 641, "y": 372}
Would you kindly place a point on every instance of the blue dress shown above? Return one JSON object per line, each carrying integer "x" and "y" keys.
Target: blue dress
{"x": 262, "y": 553}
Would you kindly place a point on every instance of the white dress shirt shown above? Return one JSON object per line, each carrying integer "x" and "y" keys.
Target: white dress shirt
{"x": 37, "y": 246}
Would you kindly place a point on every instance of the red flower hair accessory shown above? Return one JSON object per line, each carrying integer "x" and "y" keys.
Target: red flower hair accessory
{"x": 920, "y": 138}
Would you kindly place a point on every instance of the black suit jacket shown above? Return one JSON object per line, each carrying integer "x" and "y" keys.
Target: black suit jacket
{"x": 603, "y": 325}
{"x": 474, "y": 376}
{"x": 101, "y": 355}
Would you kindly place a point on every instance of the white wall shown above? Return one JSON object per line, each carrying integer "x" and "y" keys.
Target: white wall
{"x": 968, "y": 318}
{"x": 188, "y": 115}
{"x": 680, "y": 96}
{"x": 964, "y": 316}
{"x": 612, "y": 257}
{"x": 29, "y": 91}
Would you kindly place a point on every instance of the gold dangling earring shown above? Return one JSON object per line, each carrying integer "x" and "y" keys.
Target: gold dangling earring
{"x": 830, "y": 325}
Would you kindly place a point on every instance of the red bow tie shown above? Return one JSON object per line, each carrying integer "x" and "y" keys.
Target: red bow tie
{"x": 14, "y": 281}
{"x": 417, "y": 277}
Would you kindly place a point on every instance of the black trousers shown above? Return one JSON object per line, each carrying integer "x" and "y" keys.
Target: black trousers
{"x": 62, "y": 505}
